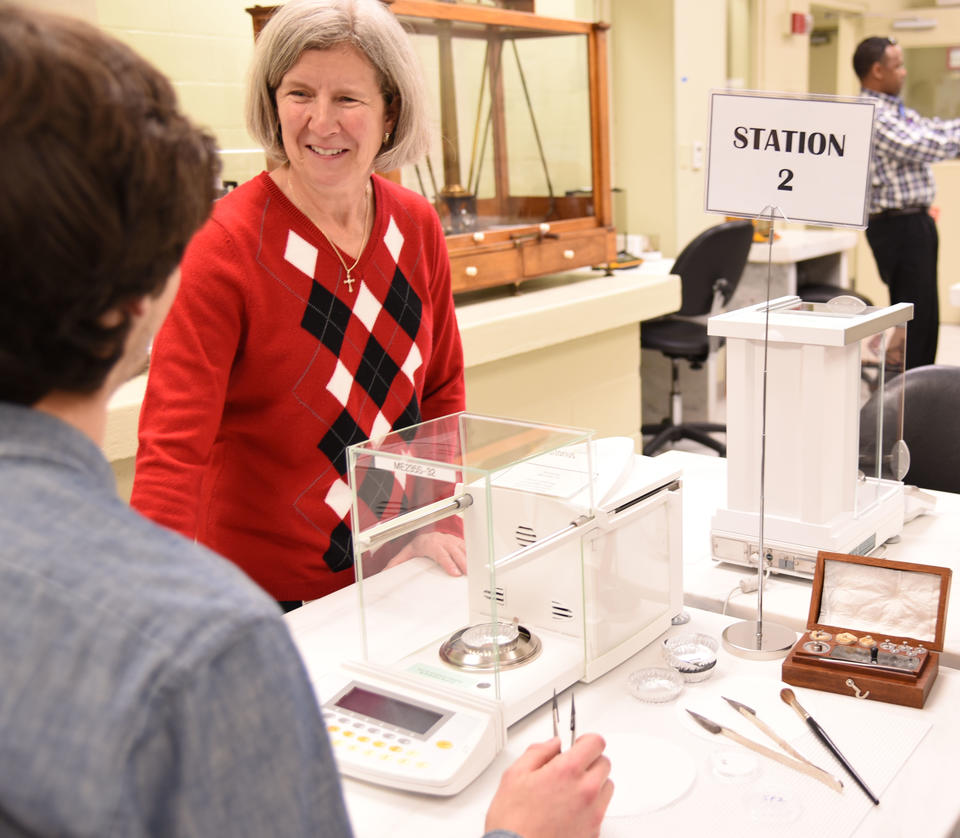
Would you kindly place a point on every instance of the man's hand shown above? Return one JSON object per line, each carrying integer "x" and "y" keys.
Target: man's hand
{"x": 548, "y": 794}
{"x": 445, "y": 549}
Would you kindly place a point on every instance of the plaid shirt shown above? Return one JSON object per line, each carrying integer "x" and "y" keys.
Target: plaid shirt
{"x": 904, "y": 146}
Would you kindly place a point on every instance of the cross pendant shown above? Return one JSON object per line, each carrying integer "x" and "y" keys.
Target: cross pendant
{"x": 349, "y": 281}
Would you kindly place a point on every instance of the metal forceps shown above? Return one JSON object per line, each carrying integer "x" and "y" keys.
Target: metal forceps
{"x": 556, "y": 719}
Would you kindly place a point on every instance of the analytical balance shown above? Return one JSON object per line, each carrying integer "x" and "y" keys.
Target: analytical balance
{"x": 573, "y": 564}
{"x": 826, "y": 488}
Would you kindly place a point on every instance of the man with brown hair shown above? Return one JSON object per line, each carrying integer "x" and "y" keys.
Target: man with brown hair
{"x": 147, "y": 687}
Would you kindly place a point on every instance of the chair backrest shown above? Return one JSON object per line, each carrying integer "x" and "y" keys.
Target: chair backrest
{"x": 712, "y": 262}
{"x": 931, "y": 424}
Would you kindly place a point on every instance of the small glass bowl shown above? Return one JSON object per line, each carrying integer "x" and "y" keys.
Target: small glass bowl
{"x": 655, "y": 684}
{"x": 694, "y": 656}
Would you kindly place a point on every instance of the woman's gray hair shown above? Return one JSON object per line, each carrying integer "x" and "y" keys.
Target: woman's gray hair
{"x": 300, "y": 25}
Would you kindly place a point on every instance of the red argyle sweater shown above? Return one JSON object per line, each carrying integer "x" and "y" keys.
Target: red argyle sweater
{"x": 268, "y": 366}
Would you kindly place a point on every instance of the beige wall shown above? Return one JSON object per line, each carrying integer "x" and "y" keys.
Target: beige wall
{"x": 665, "y": 56}
{"x": 780, "y": 59}
{"x": 946, "y": 32}
{"x": 204, "y": 47}
{"x": 947, "y": 174}
{"x": 948, "y": 223}
{"x": 700, "y": 37}
{"x": 85, "y": 9}
{"x": 738, "y": 43}
{"x": 643, "y": 144}
{"x": 665, "y": 59}
{"x": 782, "y": 62}
{"x": 603, "y": 393}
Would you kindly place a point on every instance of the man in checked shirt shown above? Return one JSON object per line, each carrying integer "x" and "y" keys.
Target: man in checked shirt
{"x": 901, "y": 232}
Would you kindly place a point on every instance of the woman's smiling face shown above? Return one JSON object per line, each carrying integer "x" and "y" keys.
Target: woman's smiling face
{"x": 332, "y": 117}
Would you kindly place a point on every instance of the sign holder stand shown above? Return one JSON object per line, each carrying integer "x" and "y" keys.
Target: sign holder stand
{"x": 800, "y": 148}
{"x": 754, "y": 638}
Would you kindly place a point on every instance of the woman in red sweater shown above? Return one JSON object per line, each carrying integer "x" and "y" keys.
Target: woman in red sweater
{"x": 315, "y": 311}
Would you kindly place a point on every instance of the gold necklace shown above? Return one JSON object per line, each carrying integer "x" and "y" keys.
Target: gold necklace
{"x": 363, "y": 241}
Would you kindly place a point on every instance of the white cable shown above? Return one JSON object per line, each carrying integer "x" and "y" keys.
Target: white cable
{"x": 746, "y": 585}
{"x": 726, "y": 602}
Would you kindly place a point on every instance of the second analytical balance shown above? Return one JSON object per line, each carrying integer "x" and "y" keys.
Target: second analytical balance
{"x": 832, "y": 471}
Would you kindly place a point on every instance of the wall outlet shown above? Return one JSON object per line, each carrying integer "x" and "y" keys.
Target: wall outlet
{"x": 696, "y": 158}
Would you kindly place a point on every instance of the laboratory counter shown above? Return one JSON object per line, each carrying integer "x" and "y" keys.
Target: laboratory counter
{"x": 931, "y": 538}
{"x": 563, "y": 349}
{"x": 674, "y": 778}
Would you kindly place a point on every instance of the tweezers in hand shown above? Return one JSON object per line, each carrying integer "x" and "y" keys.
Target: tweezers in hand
{"x": 556, "y": 718}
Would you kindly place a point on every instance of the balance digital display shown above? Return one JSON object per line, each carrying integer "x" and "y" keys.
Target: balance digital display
{"x": 392, "y": 728}
{"x": 379, "y": 706}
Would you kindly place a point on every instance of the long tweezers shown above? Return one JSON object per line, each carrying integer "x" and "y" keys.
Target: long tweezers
{"x": 555, "y": 713}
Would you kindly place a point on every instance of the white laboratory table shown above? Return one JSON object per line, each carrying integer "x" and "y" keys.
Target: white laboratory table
{"x": 928, "y": 539}
{"x": 666, "y": 769}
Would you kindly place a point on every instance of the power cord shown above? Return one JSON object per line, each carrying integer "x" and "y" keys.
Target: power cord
{"x": 746, "y": 585}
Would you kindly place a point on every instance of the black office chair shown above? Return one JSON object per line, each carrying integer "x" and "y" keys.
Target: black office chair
{"x": 709, "y": 268}
{"x": 931, "y": 425}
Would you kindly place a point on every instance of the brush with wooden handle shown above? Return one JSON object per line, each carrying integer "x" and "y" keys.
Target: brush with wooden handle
{"x": 763, "y": 750}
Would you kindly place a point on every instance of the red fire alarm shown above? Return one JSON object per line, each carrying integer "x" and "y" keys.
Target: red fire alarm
{"x": 800, "y": 23}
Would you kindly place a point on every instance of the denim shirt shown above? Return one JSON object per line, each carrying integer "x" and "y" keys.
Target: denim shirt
{"x": 146, "y": 686}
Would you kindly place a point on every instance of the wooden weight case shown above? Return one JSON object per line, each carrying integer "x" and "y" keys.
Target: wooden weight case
{"x": 875, "y": 629}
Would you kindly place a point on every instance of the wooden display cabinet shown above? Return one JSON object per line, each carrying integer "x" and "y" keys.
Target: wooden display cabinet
{"x": 519, "y": 170}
